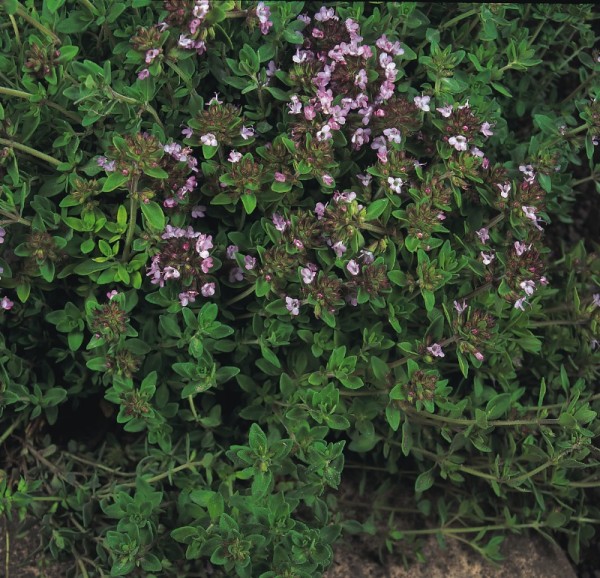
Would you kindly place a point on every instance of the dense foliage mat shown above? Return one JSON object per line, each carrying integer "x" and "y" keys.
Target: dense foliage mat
{"x": 251, "y": 249}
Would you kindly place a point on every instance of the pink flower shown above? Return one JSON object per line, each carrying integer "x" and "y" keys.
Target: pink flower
{"x": 236, "y": 275}
{"x": 483, "y": 235}
{"x": 519, "y": 303}
{"x": 365, "y": 179}
{"x": 339, "y": 248}
{"x": 298, "y": 244}
{"x": 143, "y": 74}
{"x": 108, "y": 166}
{"x": 445, "y": 111}
{"x": 479, "y": 356}
{"x": 596, "y": 299}
{"x": 263, "y": 13}
{"x": 487, "y": 257}
{"x": 520, "y": 248}
{"x": 530, "y": 214}
{"x": 295, "y": 106}
{"x": 171, "y": 273}
{"x": 528, "y": 171}
{"x": 209, "y": 139}
{"x": 422, "y": 102}
{"x": 485, "y": 129}
{"x": 504, "y": 190}
{"x": 2, "y": 234}
{"x": 207, "y": 290}
{"x": 231, "y": 251}
{"x": 203, "y": 245}
{"x": 477, "y": 152}
{"x": 458, "y": 142}
{"x": 292, "y": 305}
{"x": 324, "y": 133}
{"x": 460, "y": 307}
{"x": 207, "y": 264}
{"x": 320, "y": 210}
{"x": 151, "y": 55}
{"x": 393, "y": 135}
{"x": 198, "y": 211}
{"x": 309, "y": 112}
{"x": 327, "y": 179}
{"x": 528, "y": 287}
{"x": 325, "y": 14}
{"x": 247, "y": 132}
{"x": 111, "y": 294}
{"x": 279, "y": 222}
{"x": 6, "y": 303}
{"x": 308, "y": 275}
{"x": 187, "y": 297}
{"x": 249, "y": 262}
{"x": 361, "y": 136}
{"x": 436, "y": 350}
{"x": 234, "y": 157}
{"x": 280, "y": 177}
{"x": 353, "y": 267}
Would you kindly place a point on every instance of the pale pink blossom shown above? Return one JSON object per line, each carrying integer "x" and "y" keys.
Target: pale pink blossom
{"x": 327, "y": 179}
{"x": 395, "y": 184}
{"x": 460, "y": 307}
{"x": 246, "y": 132}
{"x": 209, "y": 139}
{"x": 187, "y": 297}
{"x": 527, "y": 286}
{"x": 479, "y": 356}
{"x": 485, "y": 129}
{"x": 458, "y": 142}
{"x": 292, "y": 305}
{"x": 112, "y": 294}
{"x": 520, "y": 248}
{"x": 203, "y": 245}
{"x": 520, "y": 302}
{"x": 198, "y": 211}
{"x": 308, "y": 275}
{"x": 6, "y": 303}
{"x": 483, "y": 234}
{"x": 320, "y": 210}
{"x": 143, "y": 74}
{"x": 353, "y": 267}
{"x": 208, "y": 289}
{"x": 151, "y": 55}
{"x": 504, "y": 189}
{"x": 234, "y": 157}
{"x": 249, "y": 262}
{"x": 231, "y": 251}
{"x": 171, "y": 273}
{"x": 279, "y": 222}
{"x": 445, "y": 111}
{"x": 339, "y": 248}
{"x": 436, "y": 350}
{"x": 487, "y": 257}
{"x": 393, "y": 135}
{"x": 236, "y": 275}
{"x": 422, "y": 102}
{"x": 596, "y": 299}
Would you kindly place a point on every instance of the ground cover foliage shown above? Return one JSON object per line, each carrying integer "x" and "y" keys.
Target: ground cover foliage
{"x": 249, "y": 249}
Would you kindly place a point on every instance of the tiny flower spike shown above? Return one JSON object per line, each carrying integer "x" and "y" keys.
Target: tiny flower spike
{"x": 436, "y": 350}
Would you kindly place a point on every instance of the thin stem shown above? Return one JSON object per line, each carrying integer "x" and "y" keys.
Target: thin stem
{"x": 552, "y": 322}
{"x": 15, "y": 29}
{"x": 241, "y": 296}
{"x": 193, "y": 407}
{"x": 133, "y": 207}
{"x": 11, "y": 428}
{"x": 15, "y": 93}
{"x": 98, "y": 466}
{"x": 43, "y": 29}
{"x": 458, "y": 18}
{"x": 592, "y": 177}
{"x": 14, "y": 218}
{"x": 29, "y": 150}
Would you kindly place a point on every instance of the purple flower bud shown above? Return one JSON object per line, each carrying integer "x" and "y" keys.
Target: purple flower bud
{"x": 6, "y": 303}
{"x": 143, "y": 74}
{"x": 236, "y": 275}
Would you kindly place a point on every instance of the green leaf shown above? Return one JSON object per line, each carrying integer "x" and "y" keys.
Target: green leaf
{"x": 114, "y": 181}
{"x": 498, "y": 406}
{"x": 424, "y": 481}
{"x": 249, "y": 202}
{"x": 257, "y": 439}
{"x": 393, "y": 415}
{"x": 376, "y": 208}
{"x": 154, "y": 215}
{"x": 156, "y": 172}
